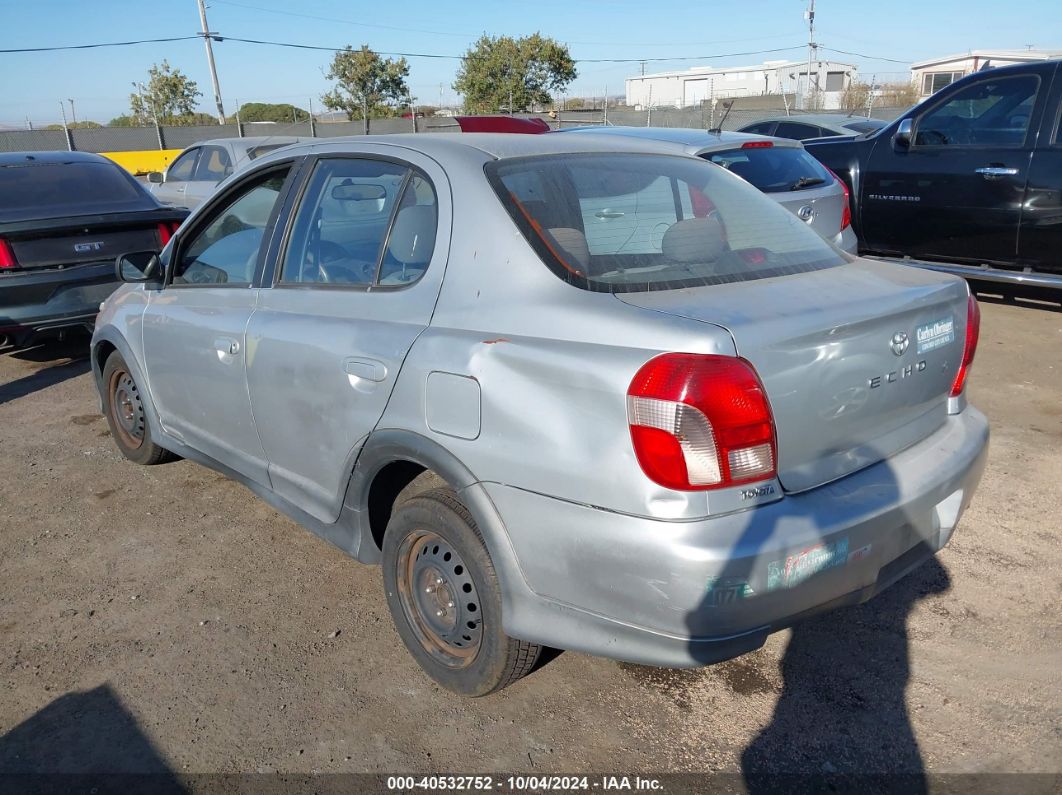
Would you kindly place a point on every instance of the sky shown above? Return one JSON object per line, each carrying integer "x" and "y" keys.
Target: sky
{"x": 716, "y": 32}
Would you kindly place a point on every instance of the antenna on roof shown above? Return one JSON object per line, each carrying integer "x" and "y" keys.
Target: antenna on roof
{"x": 727, "y": 105}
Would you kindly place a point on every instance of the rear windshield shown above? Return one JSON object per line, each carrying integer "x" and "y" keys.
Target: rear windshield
{"x": 634, "y": 222}
{"x": 864, "y": 126}
{"x": 258, "y": 151}
{"x": 774, "y": 169}
{"x": 54, "y": 190}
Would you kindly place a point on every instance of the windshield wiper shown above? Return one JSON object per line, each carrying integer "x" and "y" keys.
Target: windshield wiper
{"x": 806, "y": 182}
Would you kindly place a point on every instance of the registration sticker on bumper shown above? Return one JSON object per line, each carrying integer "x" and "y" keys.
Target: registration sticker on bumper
{"x": 798, "y": 567}
{"x": 936, "y": 334}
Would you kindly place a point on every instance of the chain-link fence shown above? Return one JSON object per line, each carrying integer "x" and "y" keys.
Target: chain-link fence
{"x": 128, "y": 139}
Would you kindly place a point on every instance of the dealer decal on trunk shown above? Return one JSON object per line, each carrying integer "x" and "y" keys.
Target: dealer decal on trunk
{"x": 936, "y": 334}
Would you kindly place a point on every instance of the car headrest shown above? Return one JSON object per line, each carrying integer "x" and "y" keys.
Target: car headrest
{"x": 571, "y": 245}
{"x": 694, "y": 240}
{"x": 413, "y": 236}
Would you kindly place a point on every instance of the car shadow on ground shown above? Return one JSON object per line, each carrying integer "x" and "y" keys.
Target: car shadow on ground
{"x": 83, "y": 742}
{"x": 64, "y": 360}
{"x": 842, "y": 720}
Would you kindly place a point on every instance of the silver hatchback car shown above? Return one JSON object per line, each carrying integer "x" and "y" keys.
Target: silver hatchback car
{"x": 658, "y": 441}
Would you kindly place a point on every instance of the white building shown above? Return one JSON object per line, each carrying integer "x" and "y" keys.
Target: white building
{"x": 932, "y": 75}
{"x": 697, "y": 84}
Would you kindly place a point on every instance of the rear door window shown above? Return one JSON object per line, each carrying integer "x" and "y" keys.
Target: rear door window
{"x": 362, "y": 222}
{"x": 635, "y": 222}
{"x": 774, "y": 169}
{"x": 797, "y": 130}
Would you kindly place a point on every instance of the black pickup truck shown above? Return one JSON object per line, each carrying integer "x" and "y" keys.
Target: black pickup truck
{"x": 969, "y": 181}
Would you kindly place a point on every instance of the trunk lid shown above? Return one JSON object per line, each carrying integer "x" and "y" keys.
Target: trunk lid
{"x": 823, "y": 345}
{"x": 826, "y": 206}
{"x": 81, "y": 243}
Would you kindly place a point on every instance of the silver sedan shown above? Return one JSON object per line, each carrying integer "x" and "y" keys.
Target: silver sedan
{"x": 570, "y": 391}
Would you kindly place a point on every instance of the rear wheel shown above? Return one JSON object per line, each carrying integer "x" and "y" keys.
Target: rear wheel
{"x": 124, "y": 408}
{"x": 445, "y": 600}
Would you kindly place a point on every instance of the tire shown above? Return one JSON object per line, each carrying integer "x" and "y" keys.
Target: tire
{"x": 445, "y": 600}
{"x": 123, "y": 406}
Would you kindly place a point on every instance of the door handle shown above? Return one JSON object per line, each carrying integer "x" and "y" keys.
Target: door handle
{"x": 995, "y": 172}
{"x": 227, "y": 346}
{"x": 369, "y": 369}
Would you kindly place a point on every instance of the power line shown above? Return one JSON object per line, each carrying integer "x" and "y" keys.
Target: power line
{"x": 102, "y": 44}
{"x": 861, "y": 55}
{"x": 294, "y": 45}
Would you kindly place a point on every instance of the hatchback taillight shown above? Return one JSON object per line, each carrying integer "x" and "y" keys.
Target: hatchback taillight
{"x": 846, "y": 213}
{"x": 166, "y": 231}
{"x": 7, "y": 256}
{"x": 700, "y": 422}
{"x": 973, "y": 332}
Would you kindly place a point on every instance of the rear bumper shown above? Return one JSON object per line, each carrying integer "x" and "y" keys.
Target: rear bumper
{"x": 32, "y": 302}
{"x": 682, "y": 594}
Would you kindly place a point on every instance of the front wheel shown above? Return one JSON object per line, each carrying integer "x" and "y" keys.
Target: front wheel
{"x": 444, "y": 597}
{"x": 124, "y": 407}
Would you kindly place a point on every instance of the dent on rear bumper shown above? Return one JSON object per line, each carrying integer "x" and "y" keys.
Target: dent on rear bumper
{"x": 689, "y": 593}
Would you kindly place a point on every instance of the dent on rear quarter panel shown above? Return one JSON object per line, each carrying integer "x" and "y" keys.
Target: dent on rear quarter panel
{"x": 553, "y": 363}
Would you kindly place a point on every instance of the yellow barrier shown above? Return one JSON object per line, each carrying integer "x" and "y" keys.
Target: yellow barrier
{"x": 137, "y": 163}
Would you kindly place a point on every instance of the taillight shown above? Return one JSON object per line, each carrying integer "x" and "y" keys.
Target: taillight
{"x": 7, "y": 256}
{"x": 701, "y": 422}
{"x": 973, "y": 331}
{"x": 758, "y": 145}
{"x": 846, "y": 213}
{"x": 166, "y": 231}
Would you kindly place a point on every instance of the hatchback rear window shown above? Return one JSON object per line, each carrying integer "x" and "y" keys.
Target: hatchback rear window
{"x": 57, "y": 190}
{"x": 774, "y": 169}
{"x": 633, "y": 222}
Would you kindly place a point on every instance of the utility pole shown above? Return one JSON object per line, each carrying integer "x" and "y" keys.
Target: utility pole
{"x": 66, "y": 129}
{"x": 313, "y": 124}
{"x": 73, "y": 113}
{"x": 810, "y": 14}
{"x": 207, "y": 36}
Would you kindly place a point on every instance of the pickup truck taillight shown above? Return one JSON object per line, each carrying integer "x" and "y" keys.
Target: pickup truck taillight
{"x": 7, "y": 256}
{"x": 973, "y": 332}
{"x": 701, "y": 422}
{"x": 846, "y": 213}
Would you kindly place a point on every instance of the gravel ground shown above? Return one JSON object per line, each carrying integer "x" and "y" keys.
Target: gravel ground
{"x": 164, "y": 619}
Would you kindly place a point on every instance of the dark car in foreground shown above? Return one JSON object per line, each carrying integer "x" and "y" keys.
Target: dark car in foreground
{"x": 969, "y": 181}
{"x": 64, "y": 217}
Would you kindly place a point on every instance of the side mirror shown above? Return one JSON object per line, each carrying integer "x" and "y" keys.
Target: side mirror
{"x": 901, "y": 139}
{"x": 138, "y": 266}
{"x": 156, "y": 177}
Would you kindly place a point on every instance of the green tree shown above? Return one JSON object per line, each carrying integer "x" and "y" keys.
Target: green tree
{"x": 265, "y": 111}
{"x": 365, "y": 83}
{"x": 168, "y": 96}
{"x": 525, "y": 71}
{"x": 76, "y": 125}
{"x": 124, "y": 121}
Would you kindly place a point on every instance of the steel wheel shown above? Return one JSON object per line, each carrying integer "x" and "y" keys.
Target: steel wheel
{"x": 439, "y": 599}
{"x": 127, "y": 409}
